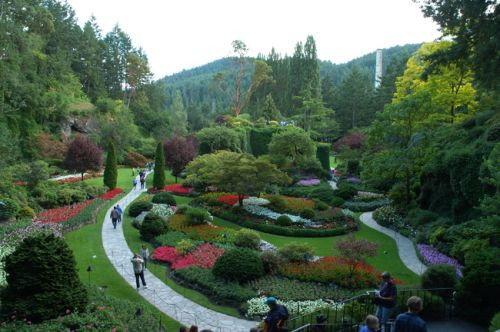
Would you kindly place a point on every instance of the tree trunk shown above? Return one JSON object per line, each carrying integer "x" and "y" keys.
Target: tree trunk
{"x": 240, "y": 200}
{"x": 82, "y": 175}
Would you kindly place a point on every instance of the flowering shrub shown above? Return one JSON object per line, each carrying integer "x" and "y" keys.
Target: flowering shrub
{"x": 208, "y": 233}
{"x": 178, "y": 189}
{"x": 177, "y": 222}
{"x": 265, "y": 212}
{"x": 214, "y": 195}
{"x": 255, "y": 201}
{"x": 433, "y": 257}
{"x": 112, "y": 193}
{"x": 258, "y": 307}
{"x": 290, "y": 204}
{"x": 388, "y": 216}
{"x": 61, "y": 214}
{"x": 164, "y": 211}
{"x": 308, "y": 182}
{"x": 203, "y": 256}
{"x": 333, "y": 270}
{"x": 5, "y": 250}
{"x": 229, "y": 199}
{"x": 361, "y": 206}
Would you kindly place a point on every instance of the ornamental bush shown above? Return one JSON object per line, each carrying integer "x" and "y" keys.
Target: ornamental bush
{"x": 439, "y": 276}
{"x": 42, "y": 280}
{"x": 111, "y": 171}
{"x": 337, "y": 201}
{"x": 136, "y": 208}
{"x": 159, "y": 173}
{"x": 284, "y": 220}
{"x": 321, "y": 206}
{"x": 271, "y": 261}
{"x": 152, "y": 226}
{"x": 247, "y": 238}
{"x": 346, "y": 191}
{"x": 164, "y": 198}
{"x": 307, "y": 213}
{"x": 296, "y": 252}
{"x": 185, "y": 246}
{"x": 8, "y": 208}
{"x": 170, "y": 239}
{"x": 495, "y": 323}
{"x": 26, "y": 212}
{"x": 323, "y": 193}
{"x": 239, "y": 265}
{"x": 197, "y": 216}
{"x": 353, "y": 167}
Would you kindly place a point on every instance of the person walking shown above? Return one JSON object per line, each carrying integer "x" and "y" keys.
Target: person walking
{"x": 134, "y": 182}
{"x": 193, "y": 328}
{"x": 114, "y": 217}
{"x": 145, "y": 254}
{"x": 143, "y": 181}
{"x": 120, "y": 212}
{"x": 137, "y": 263}
{"x": 371, "y": 324}
{"x": 277, "y": 316}
{"x": 385, "y": 299}
{"x": 410, "y": 321}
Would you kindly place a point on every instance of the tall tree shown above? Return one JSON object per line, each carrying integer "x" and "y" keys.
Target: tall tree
{"x": 159, "y": 173}
{"x": 111, "y": 171}
{"x": 83, "y": 155}
{"x": 311, "y": 67}
{"x": 178, "y": 153}
{"x": 178, "y": 118}
{"x": 138, "y": 73}
{"x": 270, "y": 111}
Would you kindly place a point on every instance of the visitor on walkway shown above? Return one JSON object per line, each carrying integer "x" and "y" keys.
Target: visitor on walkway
{"x": 137, "y": 263}
{"x": 145, "y": 254}
{"x": 193, "y": 328}
{"x": 134, "y": 182}
{"x": 276, "y": 316}
{"x": 371, "y": 324}
{"x": 183, "y": 329}
{"x": 143, "y": 181}
{"x": 410, "y": 321}
{"x": 120, "y": 212}
{"x": 114, "y": 217}
{"x": 320, "y": 326}
{"x": 385, "y": 299}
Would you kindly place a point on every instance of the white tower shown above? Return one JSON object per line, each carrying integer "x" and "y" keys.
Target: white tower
{"x": 378, "y": 68}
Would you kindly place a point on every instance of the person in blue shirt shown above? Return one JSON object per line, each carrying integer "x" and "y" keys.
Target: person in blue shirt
{"x": 120, "y": 212}
{"x": 371, "y": 324}
{"x": 276, "y": 316}
{"x": 410, "y": 321}
{"x": 385, "y": 299}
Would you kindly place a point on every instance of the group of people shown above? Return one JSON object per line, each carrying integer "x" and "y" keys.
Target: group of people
{"x": 142, "y": 179}
{"x": 116, "y": 215}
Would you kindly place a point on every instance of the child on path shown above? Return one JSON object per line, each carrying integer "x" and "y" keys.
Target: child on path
{"x": 145, "y": 254}
{"x": 138, "y": 270}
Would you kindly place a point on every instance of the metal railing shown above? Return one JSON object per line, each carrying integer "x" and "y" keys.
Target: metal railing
{"x": 349, "y": 314}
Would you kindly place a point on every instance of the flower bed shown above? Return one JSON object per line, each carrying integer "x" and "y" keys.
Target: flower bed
{"x": 229, "y": 199}
{"x": 333, "y": 270}
{"x": 62, "y": 214}
{"x": 309, "y": 182}
{"x": 112, "y": 193}
{"x": 178, "y": 189}
{"x": 258, "y": 307}
{"x": 432, "y": 256}
{"x": 267, "y": 213}
{"x": 255, "y": 201}
{"x": 203, "y": 256}
{"x": 164, "y": 211}
{"x": 362, "y": 206}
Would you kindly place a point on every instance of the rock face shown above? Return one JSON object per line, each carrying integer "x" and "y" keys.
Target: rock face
{"x": 81, "y": 125}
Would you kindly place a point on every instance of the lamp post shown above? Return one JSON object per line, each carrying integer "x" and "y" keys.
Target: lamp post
{"x": 89, "y": 269}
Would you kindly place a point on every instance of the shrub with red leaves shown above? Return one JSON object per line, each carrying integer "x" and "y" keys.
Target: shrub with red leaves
{"x": 353, "y": 141}
{"x": 229, "y": 199}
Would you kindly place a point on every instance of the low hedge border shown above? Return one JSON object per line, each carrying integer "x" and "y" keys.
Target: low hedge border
{"x": 278, "y": 230}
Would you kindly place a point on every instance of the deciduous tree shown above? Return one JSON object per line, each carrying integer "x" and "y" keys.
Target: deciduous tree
{"x": 355, "y": 251}
{"x": 178, "y": 153}
{"x": 83, "y": 155}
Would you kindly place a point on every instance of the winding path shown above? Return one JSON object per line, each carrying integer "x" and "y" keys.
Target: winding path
{"x": 406, "y": 248}
{"x": 159, "y": 294}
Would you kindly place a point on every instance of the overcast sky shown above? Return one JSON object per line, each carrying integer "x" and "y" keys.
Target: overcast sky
{"x": 182, "y": 34}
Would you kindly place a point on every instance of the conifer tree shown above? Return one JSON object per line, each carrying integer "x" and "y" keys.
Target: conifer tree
{"x": 159, "y": 176}
{"x": 111, "y": 171}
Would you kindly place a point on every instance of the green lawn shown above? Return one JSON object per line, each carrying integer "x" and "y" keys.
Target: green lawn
{"x": 134, "y": 242}
{"x": 87, "y": 242}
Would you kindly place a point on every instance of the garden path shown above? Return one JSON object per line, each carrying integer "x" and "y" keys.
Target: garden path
{"x": 159, "y": 294}
{"x": 406, "y": 248}
{"x": 69, "y": 176}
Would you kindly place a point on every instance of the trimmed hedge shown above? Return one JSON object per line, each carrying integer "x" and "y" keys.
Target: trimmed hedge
{"x": 360, "y": 206}
{"x": 260, "y": 139}
{"x": 136, "y": 208}
{"x": 323, "y": 155}
{"x": 239, "y": 265}
{"x": 164, "y": 198}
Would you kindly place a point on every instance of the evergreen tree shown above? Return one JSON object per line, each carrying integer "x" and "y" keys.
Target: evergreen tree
{"x": 111, "y": 171}
{"x": 179, "y": 116}
{"x": 311, "y": 67}
{"x": 159, "y": 174}
{"x": 42, "y": 280}
{"x": 270, "y": 111}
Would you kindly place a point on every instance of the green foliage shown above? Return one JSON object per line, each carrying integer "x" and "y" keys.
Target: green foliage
{"x": 284, "y": 220}
{"x": 26, "y": 212}
{"x": 434, "y": 305}
{"x": 239, "y": 265}
{"x": 439, "y": 276}
{"x": 152, "y": 226}
{"x": 323, "y": 155}
{"x": 495, "y": 323}
{"x": 164, "y": 198}
{"x": 387, "y": 216}
{"x": 482, "y": 268}
{"x": 170, "y": 239}
{"x": 292, "y": 146}
{"x": 361, "y": 206}
{"x": 296, "y": 252}
{"x": 353, "y": 167}
{"x": 307, "y": 214}
{"x": 218, "y": 138}
{"x": 337, "y": 201}
{"x": 346, "y": 191}
{"x": 260, "y": 139}
{"x": 271, "y": 262}
{"x": 136, "y": 208}
{"x": 221, "y": 291}
{"x": 321, "y": 206}
{"x": 185, "y": 246}
{"x": 197, "y": 216}
{"x": 111, "y": 171}
{"x": 8, "y": 208}
{"x": 247, "y": 238}
{"x": 417, "y": 217}
{"x": 159, "y": 173}
{"x": 42, "y": 280}
{"x": 324, "y": 193}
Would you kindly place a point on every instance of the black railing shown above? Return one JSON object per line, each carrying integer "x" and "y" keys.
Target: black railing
{"x": 349, "y": 314}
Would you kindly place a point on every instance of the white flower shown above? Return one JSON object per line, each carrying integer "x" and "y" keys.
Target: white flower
{"x": 265, "y": 212}
{"x": 258, "y": 307}
{"x": 255, "y": 201}
{"x": 5, "y": 250}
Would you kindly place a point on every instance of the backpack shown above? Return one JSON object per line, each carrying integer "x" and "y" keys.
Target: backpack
{"x": 114, "y": 214}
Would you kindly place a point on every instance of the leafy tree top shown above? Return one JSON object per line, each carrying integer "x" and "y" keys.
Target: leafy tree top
{"x": 83, "y": 155}
{"x": 292, "y": 146}
{"x": 178, "y": 153}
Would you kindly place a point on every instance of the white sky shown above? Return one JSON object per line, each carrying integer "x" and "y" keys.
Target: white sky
{"x": 182, "y": 34}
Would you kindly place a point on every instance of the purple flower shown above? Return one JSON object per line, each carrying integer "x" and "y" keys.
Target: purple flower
{"x": 353, "y": 179}
{"x": 433, "y": 257}
{"x": 308, "y": 182}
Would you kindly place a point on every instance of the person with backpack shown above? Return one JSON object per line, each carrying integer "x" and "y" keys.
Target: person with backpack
{"x": 120, "y": 213}
{"x": 114, "y": 216}
{"x": 277, "y": 316}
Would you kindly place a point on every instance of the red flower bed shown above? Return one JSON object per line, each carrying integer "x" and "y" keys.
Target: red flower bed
{"x": 112, "y": 193}
{"x": 178, "y": 189}
{"x": 20, "y": 183}
{"x": 203, "y": 256}
{"x": 203, "y": 232}
{"x": 61, "y": 214}
{"x": 333, "y": 270}
{"x": 230, "y": 199}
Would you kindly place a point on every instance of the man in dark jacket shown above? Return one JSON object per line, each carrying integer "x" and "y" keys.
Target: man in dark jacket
{"x": 409, "y": 321}
{"x": 386, "y": 299}
{"x": 114, "y": 216}
{"x": 276, "y": 316}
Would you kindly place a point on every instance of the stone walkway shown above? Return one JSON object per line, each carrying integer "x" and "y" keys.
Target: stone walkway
{"x": 406, "y": 248}
{"x": 158, "y": 293}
